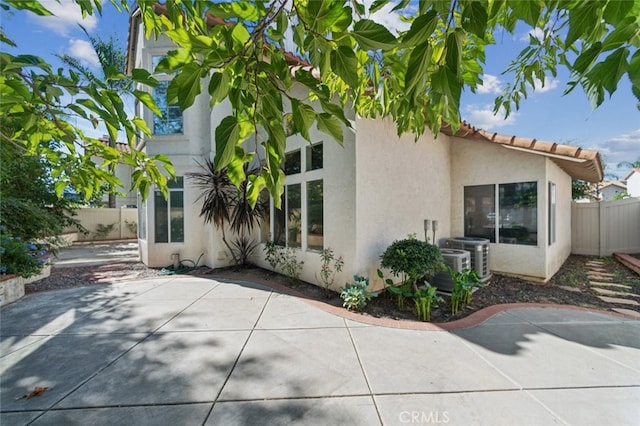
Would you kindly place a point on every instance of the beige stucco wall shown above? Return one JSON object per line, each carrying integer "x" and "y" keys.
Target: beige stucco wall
{"x": 633, "y": 184}
{"x": 399, "y": 184}
{"x": 481, "y": 163}
{"x": 558, "y": 251}
{"x": 339, "y": 212}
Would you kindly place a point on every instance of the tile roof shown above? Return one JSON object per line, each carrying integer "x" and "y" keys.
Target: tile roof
{"x": 579, "y": 163}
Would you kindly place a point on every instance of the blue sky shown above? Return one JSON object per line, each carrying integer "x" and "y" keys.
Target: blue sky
{"x": 613, "y": 129}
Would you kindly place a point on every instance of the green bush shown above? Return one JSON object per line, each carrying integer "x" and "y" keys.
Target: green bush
{"x": 412, "y": 258}
{"x": 464, "y": 282}
{"x": 19, "y": 257}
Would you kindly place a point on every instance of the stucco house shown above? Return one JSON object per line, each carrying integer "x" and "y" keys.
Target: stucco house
{"x": 123, "y": 172}
{"x": 376, "y": 188}
{"x": 607, "y": 191}
{"x": 633, "y": 182}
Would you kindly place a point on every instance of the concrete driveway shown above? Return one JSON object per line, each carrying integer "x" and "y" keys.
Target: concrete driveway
{"x": 183, "y": 350}
{"x": 97, "y": 253}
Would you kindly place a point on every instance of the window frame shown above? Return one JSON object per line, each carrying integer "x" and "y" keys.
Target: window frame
{"x": 497, "y": 238}
{"x": 169, "y": 231}
{"x": 299, "y": 178}
{"x": 161, "y": 77}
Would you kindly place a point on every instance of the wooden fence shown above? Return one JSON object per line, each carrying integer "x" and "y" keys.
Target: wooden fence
{"x": 106, "y": 224}
{"x": 605, "y": 227}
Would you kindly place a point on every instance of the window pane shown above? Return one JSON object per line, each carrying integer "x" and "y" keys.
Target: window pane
{"x": 479, "y": 211}
{"x": 177, "y": 216}
{"x": 552, "y": 213}
{"x": 314, "y": 157}
{"x": 294, "y": 216}
{"x": 161, "y": 218}
{"x": 279, "y": 219}
{"x": 292, "y": 163}
{"x": 315, "y": 238}
{"x": 171, "y": 120}
{"x": 177, "y": 182}
{"x": 265, "y": 223}
{"x": 518, "y": 213}
{"x": 142, "y": 218}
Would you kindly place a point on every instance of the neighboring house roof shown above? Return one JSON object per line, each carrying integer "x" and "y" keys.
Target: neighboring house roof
{"x": 120, "y": 146}
{"x": 578, "y": 163}
{"x": 636, "y": 170}
{"x": 617, "y": 184}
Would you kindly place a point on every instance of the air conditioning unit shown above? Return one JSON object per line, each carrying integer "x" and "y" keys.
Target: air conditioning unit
{"x": 456, "y": 260}
{"x": 478, "y": 249}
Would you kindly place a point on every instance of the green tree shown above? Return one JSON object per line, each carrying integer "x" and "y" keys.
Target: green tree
{"x": 35, "y": 100}
{"x": 629, "y": 164}
{"x": 29, "y": 207}
{"x": 112, "y": 60}
{"x": 236, "y": 52}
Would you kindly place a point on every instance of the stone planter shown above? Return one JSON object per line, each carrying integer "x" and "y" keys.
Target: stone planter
{"x": 12, "y": 287}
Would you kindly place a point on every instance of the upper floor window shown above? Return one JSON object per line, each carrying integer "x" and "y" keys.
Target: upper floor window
{"x": 171, "y": 121}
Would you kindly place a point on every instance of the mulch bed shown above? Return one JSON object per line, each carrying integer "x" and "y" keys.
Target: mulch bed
{"x": 500, "y": 289}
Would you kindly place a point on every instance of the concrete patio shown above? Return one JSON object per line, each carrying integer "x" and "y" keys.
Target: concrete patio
{"x": 183, "y": 350}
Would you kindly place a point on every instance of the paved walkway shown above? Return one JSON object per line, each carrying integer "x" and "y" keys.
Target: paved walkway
{"x": 190, "y": 351}
{"x": 608, "y": 290}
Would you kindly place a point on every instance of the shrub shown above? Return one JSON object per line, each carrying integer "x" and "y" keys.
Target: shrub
{"x": 356, "y": 295}
{"x": 20, "y": 257}
{"x": 328, "y": 272}
{"x": 283, "y": 259}
{"x": 412, "y": 259}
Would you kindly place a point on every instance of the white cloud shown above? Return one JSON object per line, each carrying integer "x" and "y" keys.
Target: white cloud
{"x": 537, "y": 33}
{"x": 483, "y": 117}
{"x": 67, "y": 16}
{"x": 490, "y": 84}
{"x": 549, "y": 84}
{"x": 83, "y": 50}
{"x": 389, "y": 19}
{"x": 625, "y": 147}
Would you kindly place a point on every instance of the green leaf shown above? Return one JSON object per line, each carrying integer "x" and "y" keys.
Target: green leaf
{"x": 474, "y": 18}
{"x": 377, "y": 5}
{"x": 188, "y": 85}
{"x": 32, "y": 6}
{"x": 345, "y": 64}
{"x": 620, "y": 35}
{"x": 615, "y": 66}
{"x": 303, "y": 117}
{"x": 583, "y": 18}
{"x": 143, "y": 76}
{"x": 421, "y": 29}
{"x": 240, "y": 33}
{"x": 147, "y": 100}
{"x": 616, "y": 11}
{"x": 634, "y": 69}
{"x": 59, "y": 186}
{"x": 416, "y": 74}
{"x": 219, "y": 87}
{"x": 586, "y": 58}
{"x": 330, "y": 125}
{"x": 373, "y": 36}
{"x": 227, "y": 137}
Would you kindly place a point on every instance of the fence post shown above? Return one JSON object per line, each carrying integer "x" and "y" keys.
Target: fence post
{"x": 602, "y": 238}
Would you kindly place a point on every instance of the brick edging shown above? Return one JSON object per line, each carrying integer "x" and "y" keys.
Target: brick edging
{"x": 472, "y": 320}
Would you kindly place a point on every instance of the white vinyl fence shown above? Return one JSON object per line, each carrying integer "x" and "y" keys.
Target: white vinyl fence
{"x": 106, "y": 224}
{"x": 605, "y": 227}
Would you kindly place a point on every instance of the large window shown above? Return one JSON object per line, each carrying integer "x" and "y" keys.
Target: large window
{"x": 299, "y": 221}
{"x": 171, "y": 120}
{"x": 510, "y": 220}
{"x": 169, "y": 213}
{"x": 142, "y": 218}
